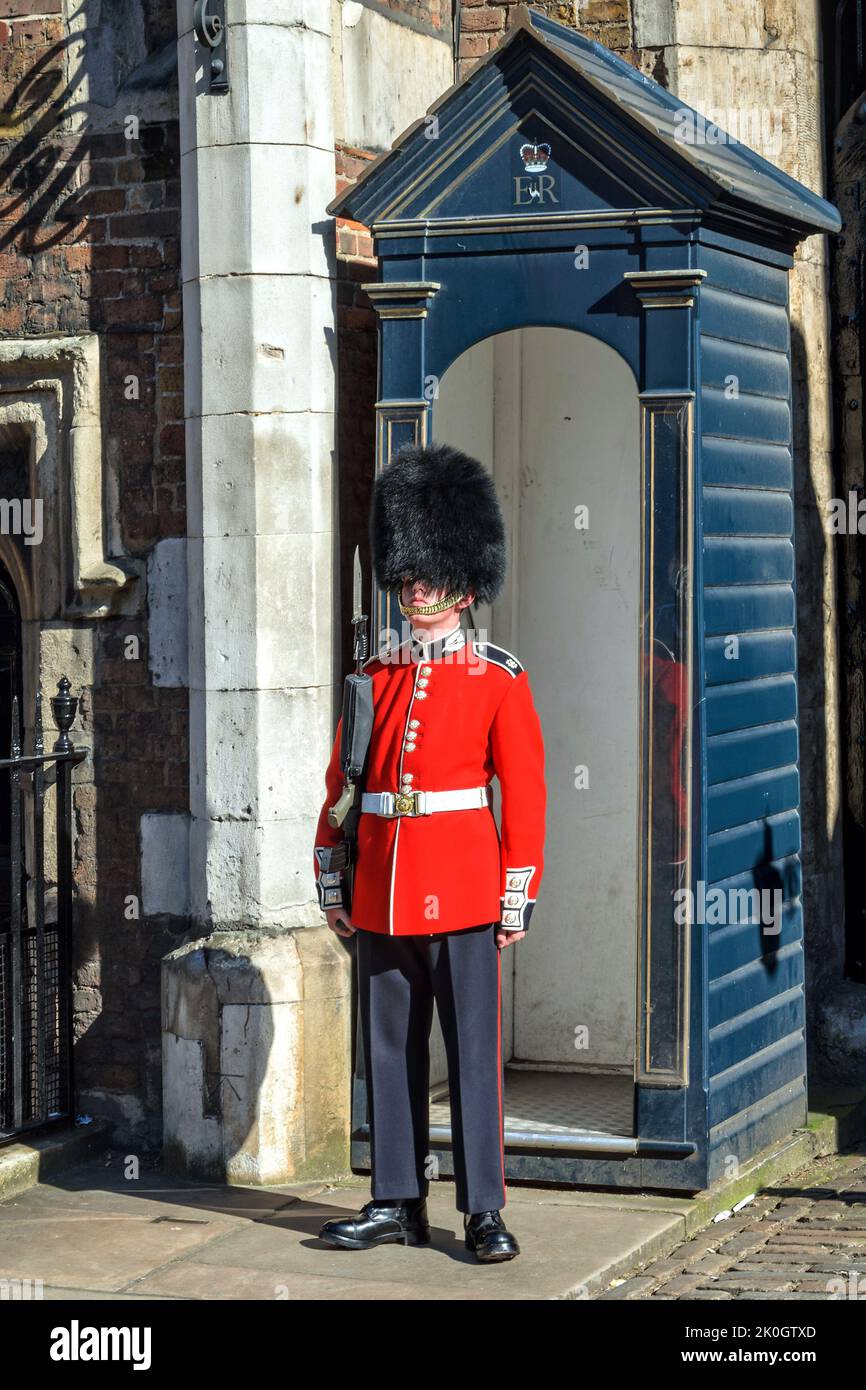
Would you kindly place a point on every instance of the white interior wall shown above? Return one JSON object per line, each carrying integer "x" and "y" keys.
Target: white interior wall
{"x": 556, "y": 415}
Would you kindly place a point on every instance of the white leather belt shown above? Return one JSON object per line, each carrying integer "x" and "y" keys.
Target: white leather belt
{"x": 424, "y": 803}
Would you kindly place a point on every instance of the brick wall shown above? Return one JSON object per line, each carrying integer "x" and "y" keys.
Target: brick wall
{"x": 89, "y": 240}
{"x": 483, "y": 25}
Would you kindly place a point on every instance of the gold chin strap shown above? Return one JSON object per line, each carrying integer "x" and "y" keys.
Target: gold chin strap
{"x": 447, "y": 602}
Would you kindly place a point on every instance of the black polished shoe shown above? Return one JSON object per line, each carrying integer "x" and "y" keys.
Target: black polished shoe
{"x": 380, "y": 1223}
{"x": 486, "y": 1234}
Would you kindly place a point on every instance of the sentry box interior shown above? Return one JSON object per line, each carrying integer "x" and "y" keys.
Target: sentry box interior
{"x": 586, "y": 285}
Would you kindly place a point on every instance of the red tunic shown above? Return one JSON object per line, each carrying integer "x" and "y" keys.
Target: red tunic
{"x": 449, "y": 714}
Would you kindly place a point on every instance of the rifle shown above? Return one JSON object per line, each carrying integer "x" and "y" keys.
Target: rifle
{"x": 356, "y": 733}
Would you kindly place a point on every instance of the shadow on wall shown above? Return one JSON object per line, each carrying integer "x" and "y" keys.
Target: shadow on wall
{"x": 823, "y": 908}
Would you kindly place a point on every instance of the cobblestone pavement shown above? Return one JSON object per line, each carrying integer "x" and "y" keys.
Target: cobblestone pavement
{"x": 803, "y": 1239}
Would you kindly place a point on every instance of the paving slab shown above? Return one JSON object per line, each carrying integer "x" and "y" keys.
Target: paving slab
{"x": 566, "y": 1251}
{"x": 90, "y": 1234}
{"x": 97, "y": 1252}
{"x": 88, "y": 1192}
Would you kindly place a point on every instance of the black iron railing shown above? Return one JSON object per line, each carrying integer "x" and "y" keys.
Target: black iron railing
{"x": 36, "y": 927}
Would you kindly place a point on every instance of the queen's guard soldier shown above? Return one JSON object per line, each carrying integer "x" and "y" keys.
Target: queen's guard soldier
{"x": 436, "y": 891}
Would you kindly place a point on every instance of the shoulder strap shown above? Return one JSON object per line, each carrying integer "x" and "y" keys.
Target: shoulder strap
{"x": 499, "y": 657}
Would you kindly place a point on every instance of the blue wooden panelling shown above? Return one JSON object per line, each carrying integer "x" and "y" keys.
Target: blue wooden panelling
{"x": 730, "y": 511}
{"x": 750, "y": 917}
{"x": 737, "y": 801}
{"x": 750, "y": 847}
{"x": 748, "y": 560}
{"x": 742, "y": 463}
{"x": 747, "y": 703}
{"x": 746, "y": 751}
{"x": 742, "y": 1037}
{"x": 765, "y": 418}
{"x": 756, "y": 1052}
{"x": 740, "y": 656}
{"x": 736, "y": 367}
{"x": 759, "y": 1075}
{"x": 745, "y": 276}
{"x": 768, "y": 1122}
{"x": 734, "y": 945}
{"x": 752, "y": 986}
{"x": 743, "y": 320}
{"x": 747, "y": 608}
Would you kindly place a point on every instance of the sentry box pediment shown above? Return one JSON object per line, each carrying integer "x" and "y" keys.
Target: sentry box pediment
{"x": 586, "y": 285}
{"x": 552, "y": 122}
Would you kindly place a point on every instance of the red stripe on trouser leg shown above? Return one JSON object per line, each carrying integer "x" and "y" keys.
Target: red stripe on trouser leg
{"x": 499, "y": 1065}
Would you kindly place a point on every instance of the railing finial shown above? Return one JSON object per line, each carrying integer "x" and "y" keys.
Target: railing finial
{"x": 63, "y": 707}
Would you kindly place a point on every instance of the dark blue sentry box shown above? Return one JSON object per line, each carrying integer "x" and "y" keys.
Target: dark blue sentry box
{"x": 586, "y": 285}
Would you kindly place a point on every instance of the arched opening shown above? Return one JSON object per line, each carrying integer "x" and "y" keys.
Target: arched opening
{"x": 555, "y": 414}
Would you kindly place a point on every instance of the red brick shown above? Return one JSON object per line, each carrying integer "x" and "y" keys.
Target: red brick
{"x": 93, "y": 202}
{"x": 143, "y": 226}
{"x": 472, "y": 45}
{"x": 141, "y": 309}
{"x": 145, "y": 256}
{"x": 17, "y": 9}
{"x": 108, "y": 257}
{"x": 490, "y": 19}
{"x": 11, "y": 318}
{"x": 604, "y": 12}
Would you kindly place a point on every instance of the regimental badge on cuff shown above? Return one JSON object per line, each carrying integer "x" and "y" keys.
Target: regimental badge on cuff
{"x": 516, "y": 907}
{"x": 331, "y": 881}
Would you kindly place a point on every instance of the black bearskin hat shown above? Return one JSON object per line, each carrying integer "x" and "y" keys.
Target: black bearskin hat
{"x": 435, "y": 516}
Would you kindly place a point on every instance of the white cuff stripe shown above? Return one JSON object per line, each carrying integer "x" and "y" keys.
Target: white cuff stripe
{"x": 515, "y": 898}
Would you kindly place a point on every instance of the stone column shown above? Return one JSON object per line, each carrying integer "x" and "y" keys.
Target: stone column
{"x": 259, "y": 1007}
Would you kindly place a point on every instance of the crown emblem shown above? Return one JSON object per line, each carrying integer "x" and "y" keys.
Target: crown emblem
{"x": 535, "y": 157}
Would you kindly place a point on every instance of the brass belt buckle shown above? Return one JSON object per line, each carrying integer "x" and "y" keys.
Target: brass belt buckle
{"x": 405, "y": 803}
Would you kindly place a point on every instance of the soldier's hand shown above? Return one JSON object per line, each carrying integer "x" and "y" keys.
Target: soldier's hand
{"x": 505, "y": 938}
{"x": 337, "y": 915}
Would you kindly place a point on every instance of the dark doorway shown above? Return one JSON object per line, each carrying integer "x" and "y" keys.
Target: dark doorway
{"x": 845, "y": 123}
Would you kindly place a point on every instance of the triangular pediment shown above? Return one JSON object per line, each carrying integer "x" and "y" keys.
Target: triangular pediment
{"x": 552, "y": 122}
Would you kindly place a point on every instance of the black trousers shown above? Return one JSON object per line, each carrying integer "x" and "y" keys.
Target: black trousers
{"x": 398, "y": 979}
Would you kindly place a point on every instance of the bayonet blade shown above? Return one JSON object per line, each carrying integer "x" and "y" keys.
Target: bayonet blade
{"x": 357, "y": 586}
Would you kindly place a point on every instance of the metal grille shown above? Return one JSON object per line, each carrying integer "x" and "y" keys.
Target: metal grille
{"x": 43, "y": 1043}
{"x": 5, "y": 1031}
